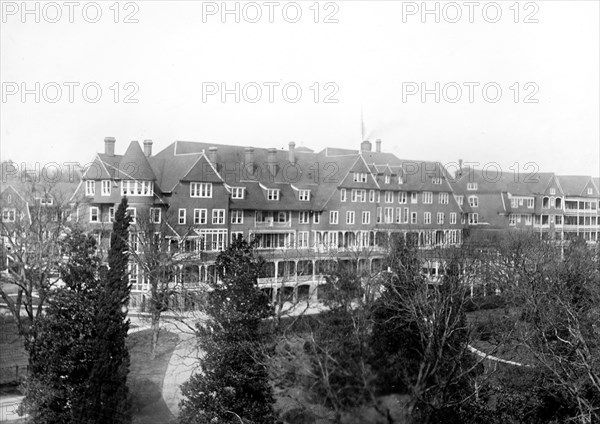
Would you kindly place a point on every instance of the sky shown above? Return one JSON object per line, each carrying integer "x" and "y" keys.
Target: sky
{"x": 507, "y": 84}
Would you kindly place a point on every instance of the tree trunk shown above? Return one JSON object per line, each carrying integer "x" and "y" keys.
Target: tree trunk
{"x": 155, "y": 331}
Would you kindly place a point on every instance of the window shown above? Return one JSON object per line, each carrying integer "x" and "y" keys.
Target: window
{"x": 405, "y": 216}
{"x": 436, "y": 180}
{"x": 402, "y": 197}
{"x": 473, "y": 201}
{"x": 132, "y": 212}
{"x": 590, "y": 191}
{"x": 203, "y": 190}
{"x": 398, "y": 215}
{"x": 303, "y": 217}
{"x": 333, "y": 217}
{"x": 359, "y": 195}
{"x": 471, "y": 186}
{"x": 427, "y": 197}
{"x": 387, "y": 179}
{"x": 303, "y": 239}
{"x": 460, "y": 199}
{"x": 360, "y": 177}
{"x": 106, "y": 187}
{"x": 237, "y": 192}
{"x": 182, "y": 214}
{"x": 366, "y": 217}
{"x": 111, "y": 214}
{"x": 400, "y": 180}
{"x": 453, "y": 218}
{"x": 237, "y": 235}
{"x": 377, "y": 196}
{"x": 413, "y": 218}
{"x": 552, "y": 202}
{"x": 316, "y": 217}
{"x": 46, "y": 201}
{"x": 388, "y": 215}
{"x": 512, "y": 219}
{"x": 350, "y": 217}
{"x": 304, "y": 195}
{"x": 528, "y": 219}
{"x": 473, "y": 218}
{"x": 90, "y": 188}
{"x": 379, "y": 215}
{"x": 440, "y": 217}
{"x": 389, "y": 197}
{"x": 427, "y": 217}
{"x": 414, "y": 197}
{"x": 371, "y": 196}
{"x": 137, "y": 188}
{"x": 9, "y": 198}
{"x": 444, "y": 197}
{"x": 218, "y": 216}
{"x": 237, "y": 217}
{"x": 273, "y": 194}
{"x": 94, "y": 214}
{"x": 342, "y": 195}
{"x": 134, "y": 246}
{"x": 552, "y": 190}
{"x": 155, "y": 215}
{"x": 200, "y": 216}
{"x": 558, "y": 220}
{"x": 530, "y": 203}
{"x": 9, "y": 215}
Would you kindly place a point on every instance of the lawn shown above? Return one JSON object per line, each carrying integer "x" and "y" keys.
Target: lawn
{"x": 146, "y": 377}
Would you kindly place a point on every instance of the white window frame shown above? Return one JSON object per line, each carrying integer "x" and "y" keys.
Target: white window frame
{"x": 304, "y": 195}
{"x": 360, "y": 177}
{"x": 389, "y": 197}
{"x": 371, "y": 196}
{"x": 10, "y": 215}
{"x": 153, "y": 215}
{"x": 316, "y": 217}
{"x": 304, "y": 217}
{"x": 427, "y": 197}
{"x": 440, "y": 218}
{"x": 387, "y": 179}
{"x": 200, "y": 216}
{"x": 137, "y": 188}
{"x": 530, "y": 203}
{"x": 366, "y": 217}
{"x": 132, "y": 215}
{"x": 388, "y": 215}
{"x": 97, "y": 213}
{"x": 350, "y": 217}
{"x": 273, "y": 194}
{"x": 453, "y": 218}
{"x": 414, "y": 197}
{"x": 181, "y": 215}
{"x": 90, "y": 188}
{"x": 402, "y": 198}
{"x": 106, "y": 187}
{"x": 414, "y": 218}
{"x": 444, "y": 198}
{"x": 343, "y": 195}
{"x": 334, "y": 217}
{"x": 398, "y": 215}
{"x": 474, "y": 201}
{"x": 472, "y": 186}
{"x": 426, "y": 217}
{"x": 552, "y": 191}
{"x": 201, "y": 190}
{"x": 237, "y": 216}
{"x": 303, "y": 239}
{"x": 218, "y": 216}
{"x": 111, "y": 214}
{"x": 473, "y": 218}
{"x": 238, "y": 192}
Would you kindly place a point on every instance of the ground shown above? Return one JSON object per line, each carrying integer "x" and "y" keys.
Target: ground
{"x": 146, "y": 377}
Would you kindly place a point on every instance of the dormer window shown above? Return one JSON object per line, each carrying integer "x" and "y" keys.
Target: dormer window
{"x": 46, "y": 201}
{"x": 272, "y": 194}
{"x": 436, "y": 180}
{"x": 360, "y": 177}
{"x": 400, "y": 180}
{"x": 552, "y": 190}
{"x": 590, "y": 191}
{"x": 472, "y": 186}
{"x": 304, "y": 195}
{"x": 201, "y": 190}
{"x": 388, "y": 179}
{"x": 238, "y": 192}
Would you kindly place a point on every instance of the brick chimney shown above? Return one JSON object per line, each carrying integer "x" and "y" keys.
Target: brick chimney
{"x": 212, "y": 154}
{"x": 365, "y": 146}
{"x": 148, "y": 148}
{"x": 292, "y": 152}
{"x": 249, "y": 157}
{"x": 272, "y": 160}
{"x": 378, "y": 145}
{"x": 109, "y": 146}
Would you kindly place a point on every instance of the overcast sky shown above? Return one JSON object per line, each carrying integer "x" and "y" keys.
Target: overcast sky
{"x": 378, "y": 57}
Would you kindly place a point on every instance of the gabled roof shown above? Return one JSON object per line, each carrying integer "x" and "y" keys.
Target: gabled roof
{"x": 490, "y": 181}
{"x": 135, "y": 165}
{"x": 575, "y": 185}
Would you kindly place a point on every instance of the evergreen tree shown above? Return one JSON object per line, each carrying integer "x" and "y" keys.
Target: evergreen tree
{"x": 233, "y": 386}
{"x": 108, "y": 399}
{"x": 62, "y": 356}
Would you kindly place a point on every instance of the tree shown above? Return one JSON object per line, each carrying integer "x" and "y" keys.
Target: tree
{"x": 233, "y": 385}
{"x": 107, "y": 396}
{"x": 62, "y": 355}
{"x": 420, "y": 336}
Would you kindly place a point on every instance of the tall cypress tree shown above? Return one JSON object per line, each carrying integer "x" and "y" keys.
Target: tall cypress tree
{"x": 108, "y": 399}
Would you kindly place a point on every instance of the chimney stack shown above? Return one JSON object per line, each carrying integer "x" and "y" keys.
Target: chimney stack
{"x": 365, "y": 146}
{"x": 292, "y": 153}
{"x": 109, "y": 146}
{"x": 212, "y": 154}
{"x": 378, "y": 145}
{"x": 460, "y": 168}
{"x": 249, "y": 158}
{"x": 148, "y": 148}
{"x": 272, "y": 160}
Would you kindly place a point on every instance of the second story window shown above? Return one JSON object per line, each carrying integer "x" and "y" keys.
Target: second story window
{"x": 444, "y": 198}
{"x": 111, "y": 214}
{"x": 218, "y": 216}
{"x": 200, "y": 216}
{"x": 460, "y": 199}
{"x": 9, "y": 215}
{"x": 132, "y": 213}
{"x": 389, "y": 197}
{"x": 90, "y": 188}
{"x": 155, "y": 215}
{"x": 473, "y": 201}
{"x": 137, "y": 188}
{"x": 181, "y": 217}
{"x": 427, "y": 197}
{"x": 413, "y": 197}
{"x": 343, "y": 195}
{"x": 304, "y": 195}
{"x": 350, "y": 217}
{"x": 273, "y": 194}
{"x": 202, "y": 190}
{"x": 237, "y": 192}
{"x": 237, "y": 217}
{"x": 333, "y": 217}
{"x": 402, "y": 197}
{"x": 94, "y": 214}
{"x": 316, "y": 217}
{"x": 106, "y": 187}
{"x": 303, "y": 217}
{"x": 360, "y": 177}
{"x": 371, "y": 196}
